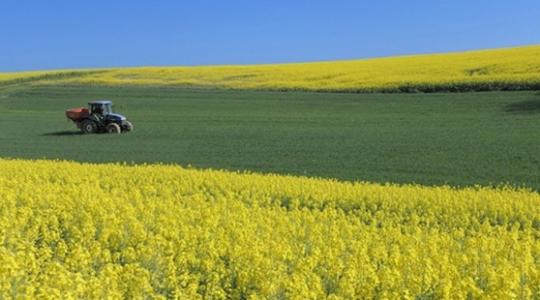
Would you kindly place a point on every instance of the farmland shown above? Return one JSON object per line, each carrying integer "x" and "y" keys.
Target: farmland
{"x": 499, "y": 69}
{"x": 72, "y": 230}
{"x": 339, "y": 180}
{"x": 461, "y": 139}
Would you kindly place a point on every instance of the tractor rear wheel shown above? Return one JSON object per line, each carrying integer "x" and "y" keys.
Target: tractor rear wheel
{"x": 113, "y": 128}
{"x": 89, "y": 126}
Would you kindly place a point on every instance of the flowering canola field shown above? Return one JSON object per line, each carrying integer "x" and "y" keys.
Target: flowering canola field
{"x": 498, "y": 69}
{"x": 71, "y": 230}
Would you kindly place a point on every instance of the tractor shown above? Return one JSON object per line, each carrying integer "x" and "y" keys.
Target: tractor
{"x": 98, "y": 118}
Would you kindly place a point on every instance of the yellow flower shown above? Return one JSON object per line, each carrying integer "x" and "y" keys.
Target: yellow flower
{"x": 164, "y": 232}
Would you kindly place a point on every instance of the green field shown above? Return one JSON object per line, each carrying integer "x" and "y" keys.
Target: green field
{"x": 454, "y": 138}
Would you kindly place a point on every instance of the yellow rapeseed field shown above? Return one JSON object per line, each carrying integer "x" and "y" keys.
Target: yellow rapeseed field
{"x": 71, "y": 231}
{"x": 499, "y": 69}
{"x": 7, "y": 77}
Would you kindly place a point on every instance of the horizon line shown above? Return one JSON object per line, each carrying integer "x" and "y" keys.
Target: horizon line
{"x": 68, "y": 69}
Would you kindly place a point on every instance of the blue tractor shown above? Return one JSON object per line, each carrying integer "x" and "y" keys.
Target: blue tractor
{"x": 99, "y": 117}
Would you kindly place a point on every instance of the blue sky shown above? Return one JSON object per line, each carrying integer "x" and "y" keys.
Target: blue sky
{"x": 72, "y": 34}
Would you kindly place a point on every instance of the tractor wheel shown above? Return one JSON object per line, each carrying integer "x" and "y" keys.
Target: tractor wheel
{"x": 113, "y": 128}
{"x": 89, "y": 126}
{"x": 129, "y": 126}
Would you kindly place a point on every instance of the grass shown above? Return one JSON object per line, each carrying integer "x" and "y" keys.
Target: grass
{"x": 459, "y": 139}
{"x": 496, "y": 69}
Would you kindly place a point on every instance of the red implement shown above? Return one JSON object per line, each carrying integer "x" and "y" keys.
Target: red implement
{"x": 77, "y": 114}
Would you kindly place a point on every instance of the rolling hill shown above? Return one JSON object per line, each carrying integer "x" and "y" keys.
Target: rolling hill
{"x": 484, "y": 70}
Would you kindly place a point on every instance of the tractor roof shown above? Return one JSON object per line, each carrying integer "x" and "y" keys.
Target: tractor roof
{"x": 102, "y": 102}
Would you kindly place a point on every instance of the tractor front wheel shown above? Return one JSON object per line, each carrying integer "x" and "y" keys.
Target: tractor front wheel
{"x": 113, "y": 128}
{"x": 89, "y": 126}
{"x": 128, "y": 126}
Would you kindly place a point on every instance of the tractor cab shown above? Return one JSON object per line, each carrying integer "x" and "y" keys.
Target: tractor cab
{"x": 102, "y": 107}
